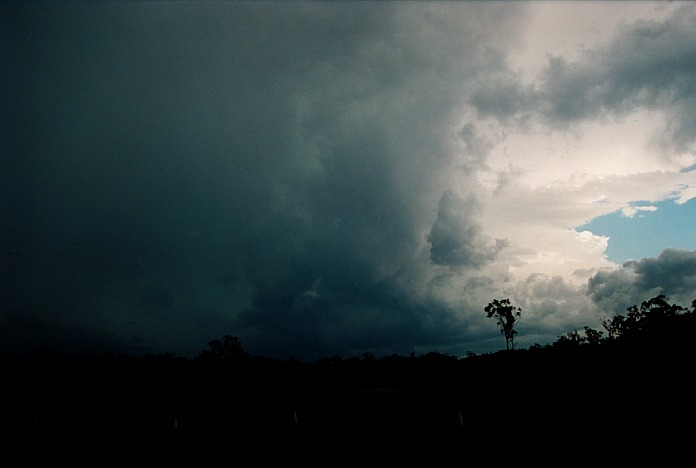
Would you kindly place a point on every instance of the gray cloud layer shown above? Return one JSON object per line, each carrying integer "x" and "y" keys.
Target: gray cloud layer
{"x": 647, "y": 65}
{"x": 282, "y": 172}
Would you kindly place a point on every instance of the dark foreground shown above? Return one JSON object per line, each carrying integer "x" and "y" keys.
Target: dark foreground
{"x": 545, "y": 407}
{"x": 376, "y": 427}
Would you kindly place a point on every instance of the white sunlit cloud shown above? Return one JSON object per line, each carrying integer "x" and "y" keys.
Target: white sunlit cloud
{"x": 631, "y": 211}
{"x": 570, "y": 29}
{"x": 541, "y": 180}
{"x": 686, "y": 194}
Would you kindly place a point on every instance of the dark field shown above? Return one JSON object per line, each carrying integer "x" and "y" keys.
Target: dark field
{"x": 380, "y": 427}
{"x": 389, "y": 428}
{"x": 429, "y": 411}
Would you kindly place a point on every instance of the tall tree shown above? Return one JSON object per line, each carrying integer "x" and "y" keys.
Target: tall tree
{"x": 507, "y": 316}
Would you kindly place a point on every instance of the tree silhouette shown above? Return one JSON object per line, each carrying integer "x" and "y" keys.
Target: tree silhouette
{"x": 656, "y": 320}
{"x": 592, "y": 336}
{"x": 507, "y": 316}
{"x": 227, "y": 349}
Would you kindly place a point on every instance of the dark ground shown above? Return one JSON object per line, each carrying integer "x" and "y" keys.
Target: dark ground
{"x": 381, "y": 427}
{"x": 432, "y": 411}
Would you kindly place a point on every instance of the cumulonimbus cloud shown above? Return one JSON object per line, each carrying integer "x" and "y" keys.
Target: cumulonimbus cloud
{"x": 311, "y": 178}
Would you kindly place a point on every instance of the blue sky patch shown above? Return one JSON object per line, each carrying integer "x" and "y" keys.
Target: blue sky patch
{"x": 648, "y": 232}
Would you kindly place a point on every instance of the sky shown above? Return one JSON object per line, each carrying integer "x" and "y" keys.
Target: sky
{"x": 333, "y": 178}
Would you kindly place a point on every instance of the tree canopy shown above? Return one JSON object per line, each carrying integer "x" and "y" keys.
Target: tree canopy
{"x": 507, "y": 316}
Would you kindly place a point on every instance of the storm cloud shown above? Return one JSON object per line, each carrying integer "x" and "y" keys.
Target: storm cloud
{"x": 672, "y": 273}
{"x": 310, "y": 177}
{"x": 456, "y": 238}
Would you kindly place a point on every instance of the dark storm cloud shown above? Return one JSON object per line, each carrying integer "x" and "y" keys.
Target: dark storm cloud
{"x": 647, "y": 65}
{"x": 345, "y": 319}
{"x": 672, "y": 273}
{"x": 180, "y": 171}
{"x": 23, "y": 334}
{"x": 456, "y": 238}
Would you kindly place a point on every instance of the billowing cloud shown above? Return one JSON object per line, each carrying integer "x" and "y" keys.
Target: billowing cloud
{"x": 672, "y": 273}
{"x": 455, "y": 238}
{"x": 321, "y": 178}
{"x": 646, "y": 65}
{"x": 588, "y": 135}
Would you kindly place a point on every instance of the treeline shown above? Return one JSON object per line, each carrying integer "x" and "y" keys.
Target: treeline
{"x": 657, "y": 330}
{"x": 639, "y": 367}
